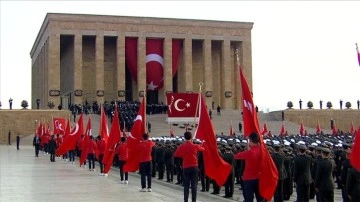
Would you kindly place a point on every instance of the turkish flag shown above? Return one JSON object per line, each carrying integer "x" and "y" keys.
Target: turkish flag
{"x": 268, "y": 172}
{"x": 334, "y": 130}
{"x": 84, "y": 150}
{"x": 40, "y": 129}
{"x": 113, "y": 139}
{"x": 69, "y": 142}
{"x": 134, "y": 138}
{"x": 318, "y": 129}
{"x": 182, "y": 107}
{"x": 154, "y": 64}
{"x": 154, "y": 60}
{"x": 215, "y": 167}
{"x": 265, "y": 129}
{"x": 59, "y": 125}
{"x": 355, "y": 152}
{"x": 302, "y": 128}
{"x": 231, "y": 130}
{"x": 103, "y": 129}
{"x": 282, "y": 130}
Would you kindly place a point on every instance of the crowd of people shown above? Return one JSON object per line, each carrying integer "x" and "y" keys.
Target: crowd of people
{"x": 311, "y": 163}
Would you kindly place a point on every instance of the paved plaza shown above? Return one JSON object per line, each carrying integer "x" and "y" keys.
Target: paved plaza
{"x": 23, "y": 177}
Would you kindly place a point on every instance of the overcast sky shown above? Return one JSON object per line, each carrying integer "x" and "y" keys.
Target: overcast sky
{"x": 301, "y": 50}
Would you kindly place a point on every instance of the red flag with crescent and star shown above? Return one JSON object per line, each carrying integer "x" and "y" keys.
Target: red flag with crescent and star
{"x": 59, "y": 125}
{"x": 182, "y": 107}
{"x": 69, "y": 142}
{"x": 154, "y": 60}
{"x": 268, "y": 176}
{"x": 134, "y": 138}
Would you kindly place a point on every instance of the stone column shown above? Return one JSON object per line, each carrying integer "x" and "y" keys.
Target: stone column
{"x": 188, "y": 64}
{"x": 99, "y": 61}
{"x": 120, "y": 65}
{"x": 208, "y": 81}
{"x": 226, "y": 74}
{"x": 77, "y": 68}
{"x": 53, "y": 72}
{"x": 141, "y": 71}
{"x": 168, "y": 84}
{"x": 245, "y": 60}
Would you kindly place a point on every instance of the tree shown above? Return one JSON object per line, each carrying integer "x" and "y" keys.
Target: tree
{"x": 348, "y": 105}
{"x": 290, "y": 105}
{"x": 24, "y": 104}
{"x": 329, "y": 105}
{"x": 310, "y": 105}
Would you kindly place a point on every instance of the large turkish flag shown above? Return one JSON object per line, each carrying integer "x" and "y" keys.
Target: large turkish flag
{"x": 154, "y": 60}
{"x": 182, "y": 107}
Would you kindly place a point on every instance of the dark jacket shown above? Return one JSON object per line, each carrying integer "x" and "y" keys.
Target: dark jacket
{"x": 52, "y": 146}
{"x": 279, "y": 160}
{"x": 353, "y": 184}
{"x": 302, "y": 173}
{"x": 324, "y": 180}
{"x": 36, "y": 143}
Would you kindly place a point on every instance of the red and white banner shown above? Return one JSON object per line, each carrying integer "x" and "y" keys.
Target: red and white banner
{"x": 154, "y": 60}
{"x": 182, "y": 107}
{"x": 59, "y": 125}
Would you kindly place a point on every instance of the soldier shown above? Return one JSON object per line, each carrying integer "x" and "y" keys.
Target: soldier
{"x": 18, "y": 142}
{"x": 344, "y": 173}
{"x": 324, "y": 183}
{"x": 160, "y": 162}
{"x": 302, "y": 175}
{"x": 204, "y": 180}
{"x": 10, "y": 103}
{"x": 169, "y": 163}
{"x": 228, "y": 156}
{"x": 279, "y": 159}
{"x": 353, "y": 185}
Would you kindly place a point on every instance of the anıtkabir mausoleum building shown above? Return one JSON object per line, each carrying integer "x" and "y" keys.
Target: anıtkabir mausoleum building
{"x": 78, "y": 58}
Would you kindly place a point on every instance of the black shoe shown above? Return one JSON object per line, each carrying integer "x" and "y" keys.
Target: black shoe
{"x": 214, "y": 192}
{"x": 227, "y": 196}
{"x": 203, "y": 190}
{"x": 178, "y": 183}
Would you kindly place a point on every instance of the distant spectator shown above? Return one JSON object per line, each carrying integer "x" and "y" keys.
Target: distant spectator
{"x": 300, "y": 103}
{"x": 218, "y": 109}
{"x": 341, "y": 103}
{"x": 321, "y": 104}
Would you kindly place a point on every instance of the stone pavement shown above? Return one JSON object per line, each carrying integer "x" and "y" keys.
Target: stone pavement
{"x": 26, "y": 178}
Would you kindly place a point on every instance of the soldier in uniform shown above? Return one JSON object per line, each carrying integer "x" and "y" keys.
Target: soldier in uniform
{"x": 228, "y": 156}
{"x": 279, "y": 160}
{"x": 353, "y": 185}
{"x": 204, "y": 180}
{"x": 169, "y": 163}
{"x": 324, "y": 182}
{"x": 302, "y": 175}
{"x": 344, "y": 173}
{"x": 159, "y": 156}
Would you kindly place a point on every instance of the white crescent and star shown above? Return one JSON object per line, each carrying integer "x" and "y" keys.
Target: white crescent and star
{"x": 76, "y": 129}
{"x": 58, "y": 125}
{"x": 154, "y": 58}
{"x": 177, "y": 107}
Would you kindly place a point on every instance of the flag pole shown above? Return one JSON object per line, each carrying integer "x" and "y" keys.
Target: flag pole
{"x": 144, "y": 98}
{"x": 197, "y": 104}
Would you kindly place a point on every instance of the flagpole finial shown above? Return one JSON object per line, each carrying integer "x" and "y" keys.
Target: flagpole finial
{"x": 237, "y": 55}
{"x": 200, "y": 86}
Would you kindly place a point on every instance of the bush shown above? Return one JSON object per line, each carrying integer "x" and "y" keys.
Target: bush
{"x": 310, "y": 105}
{"x": 51, "y": 104}
{"x": 24, "y": 104}
{"x": 348, "y": 105}
{"x": 290, "y": 105}
{"x": 329, "y": 105}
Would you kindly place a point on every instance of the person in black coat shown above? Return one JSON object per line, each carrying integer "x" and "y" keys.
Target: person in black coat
{"x": 353, "y": 185}
{"x": 279, "y": 160}
{"x": 36, "y": 144}
{"x": 344, "y": 173}
{"x": 18, "y": 142}
{"x": 52, "y": 148}
{"x": 169, "y": 163}
{"x": 160, "y": 160}
{"x": 228, "y": 156}
{"x": 204, "y": 180}
{"x": 302, "y": 175}
{"x": 324, "y": 182}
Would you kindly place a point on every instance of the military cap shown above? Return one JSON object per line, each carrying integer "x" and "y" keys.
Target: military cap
{"x": 325, "y": 150}
{"x": 302, "y": 146}
{"x": 227, "y": 147}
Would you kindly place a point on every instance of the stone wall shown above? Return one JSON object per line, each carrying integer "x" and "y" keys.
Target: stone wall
{"x": 23, "y": 122}
{"x": 342, "y": 118}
